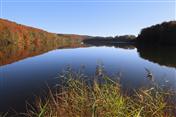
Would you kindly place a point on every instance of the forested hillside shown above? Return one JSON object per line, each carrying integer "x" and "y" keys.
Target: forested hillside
{"x": 13, "y": 33}
{"x": 18, "y": 41}
{"x": 160, "y": 34}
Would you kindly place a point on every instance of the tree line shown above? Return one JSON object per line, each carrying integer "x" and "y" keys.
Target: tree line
{"x": 160, "y": 34}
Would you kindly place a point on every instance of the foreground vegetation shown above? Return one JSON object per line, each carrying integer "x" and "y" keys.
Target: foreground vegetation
{"x": 102, "y": 97}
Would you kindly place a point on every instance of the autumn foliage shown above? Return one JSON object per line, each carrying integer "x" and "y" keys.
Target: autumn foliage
{"x": 18, "y": 41}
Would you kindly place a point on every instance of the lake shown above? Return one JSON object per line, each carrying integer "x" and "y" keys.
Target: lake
{"x": 26, "y": 74}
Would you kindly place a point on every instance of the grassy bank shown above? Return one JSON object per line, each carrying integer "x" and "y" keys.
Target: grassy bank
{"x": 102, "y": 97}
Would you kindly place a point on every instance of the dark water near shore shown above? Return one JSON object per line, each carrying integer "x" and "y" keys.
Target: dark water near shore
{"x": 22, "y": 77}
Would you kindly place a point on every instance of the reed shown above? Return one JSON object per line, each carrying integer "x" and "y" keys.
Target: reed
{"x": 103, "y": 97}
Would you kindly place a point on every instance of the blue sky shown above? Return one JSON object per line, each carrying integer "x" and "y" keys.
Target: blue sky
{"x": 96, "y": 17}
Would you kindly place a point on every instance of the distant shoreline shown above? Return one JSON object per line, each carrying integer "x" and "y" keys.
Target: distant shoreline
{"x": 163, "y": 34}
{"x": 118, "y": 40}
{"x": 17, "y": 34}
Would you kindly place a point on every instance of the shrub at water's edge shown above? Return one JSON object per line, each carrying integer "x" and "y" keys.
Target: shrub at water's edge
{"x": 76, "y": 97}
{"x": 160, "y": 34}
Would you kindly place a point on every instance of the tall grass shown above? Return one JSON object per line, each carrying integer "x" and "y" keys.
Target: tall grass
{"x": 3, "y": 114}
{"x": 76, "y": 97}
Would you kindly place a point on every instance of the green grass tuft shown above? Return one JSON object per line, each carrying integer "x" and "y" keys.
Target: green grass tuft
{"x": 79, "y": 98}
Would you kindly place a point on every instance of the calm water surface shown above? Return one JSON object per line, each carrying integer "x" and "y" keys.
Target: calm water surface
{"x": 20, "y": 80}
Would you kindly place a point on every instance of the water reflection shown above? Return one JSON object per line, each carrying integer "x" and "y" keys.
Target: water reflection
{"x": 162, "y": 55}
{"x": 15, "y": 52}
{"x": 116, "y": 45}
{"x": 28, "y": 77}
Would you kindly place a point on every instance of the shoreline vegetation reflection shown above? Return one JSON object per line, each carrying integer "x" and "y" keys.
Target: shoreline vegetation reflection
{"x": 162, "y": 55}
{"x": 13, "y": 53}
